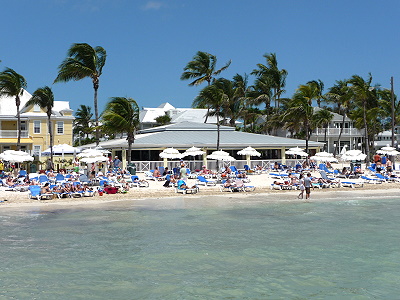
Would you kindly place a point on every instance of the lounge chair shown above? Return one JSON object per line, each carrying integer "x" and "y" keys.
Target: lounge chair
{"x": 352, "y": 182}
{"x": 34, "y": 193}
{"x": 203, "y": 181}
{"x": 372, "y": 180}
{"x": 149, "y": 175}
{"x": 187, "y": 190}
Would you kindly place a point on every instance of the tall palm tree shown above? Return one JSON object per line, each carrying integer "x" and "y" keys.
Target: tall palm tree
{"x": 300, "y": 108}
{"x": 13, "y": 84}
{"x": 275, "y": 77}
{"x": 84, "y": 61}
{"x": 322, "y": 118}
{"x": 214, "y": 98}
{"x": 366, "y": 97}
{"x": 202, "y": 68}
{"x": 44, "y": 98}
{"x": 83, "y": 121}
{"x": 340, "y": 95}
{"x": 320, "y": 86}
{"x": 122, "y": 116}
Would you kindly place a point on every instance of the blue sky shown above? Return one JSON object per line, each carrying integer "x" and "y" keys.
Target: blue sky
{"x": 148, "y": 43}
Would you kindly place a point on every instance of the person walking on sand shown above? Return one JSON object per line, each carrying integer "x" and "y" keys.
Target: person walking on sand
{"x": 301, "y": 186}
{"x": 307, "y": 185}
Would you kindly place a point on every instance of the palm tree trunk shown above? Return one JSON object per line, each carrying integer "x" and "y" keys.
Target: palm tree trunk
{"x": 18, "y": 103}
{"x": 96, "y": 109}
{"x": 340, "y": 135}
{"x": 51, "y": 139}
{"x": 366, "y": 132}
{"x": 326, "y": 129}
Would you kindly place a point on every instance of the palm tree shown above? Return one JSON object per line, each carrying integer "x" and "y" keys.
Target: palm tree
{"x": 320, "y": 86}
{"x": 215, "y": 99}
{"x": 122, "y": 116}
{"x": 275, "y": 77}
{"x": 84, "y": 61}
{"x": 300, "y": 108}
{"x": 44, "y": 98}
{"x": 163, "y": 120}
{"x": 13, "y": 84}
{"x": 322, "y": 118}
{"x": 366, "y": 97}
{"x": 83, "y": 121}
{"x": 202, "y": 68}
{"x": 340, "y": 94}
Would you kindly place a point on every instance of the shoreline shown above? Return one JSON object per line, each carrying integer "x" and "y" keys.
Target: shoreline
{"x": 158, "y": 196}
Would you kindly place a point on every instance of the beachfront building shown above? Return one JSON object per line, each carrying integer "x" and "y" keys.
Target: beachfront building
{"x": 183, "y": 135}
{"x": 148, "y": 115}
{"x": 34, "y": 125}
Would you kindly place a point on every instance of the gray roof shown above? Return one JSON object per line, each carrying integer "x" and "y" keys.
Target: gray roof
{"x": 186, "y": 134}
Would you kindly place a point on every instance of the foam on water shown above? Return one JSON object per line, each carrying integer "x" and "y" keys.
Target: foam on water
{"x": 245, "y": 250}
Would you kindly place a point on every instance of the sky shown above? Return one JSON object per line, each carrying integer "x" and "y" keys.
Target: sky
{"x": 149, "y": 43}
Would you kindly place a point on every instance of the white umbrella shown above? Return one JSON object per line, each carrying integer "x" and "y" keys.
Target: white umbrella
{"x": 171, "y": 153}
{"x": 353, "y": 155}
{"x": 15, "y": 156}
{"x": 90, "y": 156}
{"x": 324, "y": 157}
{"x": 249, "y": 151}
{"x": 388, "y": 151}
{"x": 221, "y": 155}
{"x": 193, "y": 151}
{"x": 61, "y": 149}
{"x": 296, "y": 152}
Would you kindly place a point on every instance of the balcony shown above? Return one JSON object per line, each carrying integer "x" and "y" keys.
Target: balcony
{"x": 13, "y": 134}
{"x": 334, "y": 132}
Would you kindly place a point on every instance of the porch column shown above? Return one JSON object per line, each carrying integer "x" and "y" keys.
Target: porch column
{"x": 123, "y": 159}
{"x": 283, "y": 157}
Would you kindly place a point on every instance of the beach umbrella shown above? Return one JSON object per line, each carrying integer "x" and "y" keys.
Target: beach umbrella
{"x": 249, "y": 151}
{"x": 353, "y": 155}
{"x": 193, "y": 151}
{"x": 296, "y": 151}
{"x": 61, "y": 149}
{"x": 324, "y": 157}
{"x": 221, "y": 155}
{"x": 171, "y": 153}
{"x": 91, "y": 156}
{"x": 15, "y": 156}
{"x": 388, "y": 151}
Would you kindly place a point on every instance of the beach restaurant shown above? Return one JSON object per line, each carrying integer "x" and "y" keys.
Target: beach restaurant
{"x": 149, "y": 143}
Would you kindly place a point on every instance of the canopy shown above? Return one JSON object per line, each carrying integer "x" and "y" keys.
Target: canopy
{"x": 353, "y": 155}
{"x": 193, "y": 151}
{"x": 15, "y": 156}
{"x": 296, "y": 151}
{"x": 388, "y": 151}
{"x": 171, "y": 153}
{"x": 221, "y": 155}
{"x": 324, "y": 157}
{"x": 92, "y": 156}
{"x": 62, "y": 149}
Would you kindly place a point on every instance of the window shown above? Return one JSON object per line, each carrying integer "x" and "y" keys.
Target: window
{"x": 36, "y": 126}
{"x": 60, "y": 127}
{"x": 36, "y": 108}
{"x": 36, "y": 149}
{"x": 23, "y": 125}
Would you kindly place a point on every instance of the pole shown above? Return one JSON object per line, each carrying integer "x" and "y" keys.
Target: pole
{"x": 393, "y": 118}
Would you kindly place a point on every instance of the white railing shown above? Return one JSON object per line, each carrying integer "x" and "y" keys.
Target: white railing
{"x": 13, "y": 134}
{"x": 336, "y": 132}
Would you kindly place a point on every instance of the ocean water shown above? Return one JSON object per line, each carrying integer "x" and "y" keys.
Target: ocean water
{"x": 342, "y": 249}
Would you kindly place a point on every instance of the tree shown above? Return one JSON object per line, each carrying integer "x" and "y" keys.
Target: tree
{"x": 322, "y": 118}
{"x": 84, "y": 61}
{"x": 122, "y": 116}
{"x": 300, "y": 109}
{"x": 271, "y": 74}
{"x": 366, "y": 98}
{"x": 320, "y": 86}
{"x": 202, "y": 68}
{"x": 83, "y": 121}
{"x": 163, "y": 120}
{"x": 44, "y": 98}
{"x": 215, "y": 99}
{"x": 340, "y": 94}
{"x": 13, "y": 84}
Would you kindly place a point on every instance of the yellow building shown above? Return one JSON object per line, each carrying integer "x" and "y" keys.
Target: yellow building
{"x": 34, "y": 125}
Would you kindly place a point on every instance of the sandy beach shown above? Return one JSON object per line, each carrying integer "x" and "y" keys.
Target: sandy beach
{"x": 208, "y": 195}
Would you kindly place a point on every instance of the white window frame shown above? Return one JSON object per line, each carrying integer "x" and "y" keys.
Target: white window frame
{"x": 60, "y": 127}
{"x": 36, "y": 108}
{"x": 23, "y": 125}
{"x": 35, "y": 123}
{"x": 37, "y": 149}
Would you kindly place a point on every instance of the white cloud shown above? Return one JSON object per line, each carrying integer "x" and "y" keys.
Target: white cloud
{"x": 153, "y": 5}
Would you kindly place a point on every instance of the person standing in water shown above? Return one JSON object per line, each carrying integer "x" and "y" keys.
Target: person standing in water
{"x": 301, "y": 186}
{"x": 307, "y": 185}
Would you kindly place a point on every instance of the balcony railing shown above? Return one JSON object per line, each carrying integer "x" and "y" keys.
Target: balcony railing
{"x": 13, "y": 134}
{"x": 336, "y": 132}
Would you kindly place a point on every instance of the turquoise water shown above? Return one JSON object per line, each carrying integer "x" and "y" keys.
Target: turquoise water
{"x": 245, "y": 250}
